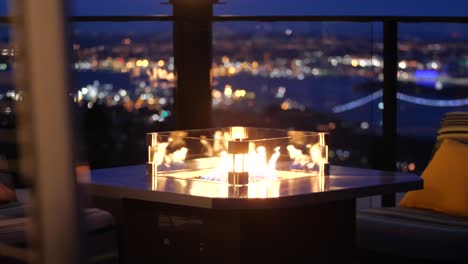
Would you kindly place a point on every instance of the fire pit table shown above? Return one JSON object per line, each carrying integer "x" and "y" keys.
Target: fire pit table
{"x": 296, "y": 208}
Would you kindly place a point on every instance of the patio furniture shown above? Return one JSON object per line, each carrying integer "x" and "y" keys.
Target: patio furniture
{"x": 299, "y": 219}
{"x": 101, "y": 241}
{"x": 417, "y": 233}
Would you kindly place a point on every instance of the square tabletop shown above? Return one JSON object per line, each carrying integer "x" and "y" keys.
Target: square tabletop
{"x": 131, "y": 182}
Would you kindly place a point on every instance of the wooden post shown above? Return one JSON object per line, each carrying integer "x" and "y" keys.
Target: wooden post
{"x": 44, "y": 131}
{"x": 193, "y": 58}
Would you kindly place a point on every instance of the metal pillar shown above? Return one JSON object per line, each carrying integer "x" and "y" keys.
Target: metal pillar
{"x": 193, "y": 58}
{"x": 44, "y": 131}
{"x": 390, "y": 84}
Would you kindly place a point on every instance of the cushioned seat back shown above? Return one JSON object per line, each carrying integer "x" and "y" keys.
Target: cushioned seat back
{"x": 453, "y": 126}
{"x": 440, "y": 231}
{"x": 413, "y": 233}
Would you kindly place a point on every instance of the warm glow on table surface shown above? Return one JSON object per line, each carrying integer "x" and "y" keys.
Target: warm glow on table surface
{"x": 344, "y": 183}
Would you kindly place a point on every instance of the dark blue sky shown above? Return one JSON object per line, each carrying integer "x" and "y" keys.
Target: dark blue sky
{"x": 271, "y": 7}
{"x": 287, "y": 7}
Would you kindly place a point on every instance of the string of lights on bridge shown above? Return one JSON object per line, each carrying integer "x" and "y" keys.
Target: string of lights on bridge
{"x": 400, "y": 96}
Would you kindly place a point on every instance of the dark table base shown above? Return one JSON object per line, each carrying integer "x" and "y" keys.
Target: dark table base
{"x": 313, "y": 234}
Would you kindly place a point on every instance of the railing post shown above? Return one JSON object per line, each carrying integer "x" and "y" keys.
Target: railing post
{"x": 193, "y": 58}
{"x": 389, "y": 126}
{"x": 45, "y": 133}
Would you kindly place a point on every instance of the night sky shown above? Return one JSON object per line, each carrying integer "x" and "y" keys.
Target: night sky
{"x": 271, "y": 7}
{"x": 268, "y": 7}
{"x": 289, "y": 7}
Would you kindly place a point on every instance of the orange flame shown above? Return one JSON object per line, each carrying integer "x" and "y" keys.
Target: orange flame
{"x": 254, "y": 162}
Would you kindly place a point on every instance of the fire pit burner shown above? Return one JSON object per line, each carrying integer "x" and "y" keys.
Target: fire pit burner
{"x": 237, "y": 155}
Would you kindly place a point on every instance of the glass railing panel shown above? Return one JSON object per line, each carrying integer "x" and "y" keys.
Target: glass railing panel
{"x": 9, "y": 97}
{"x": 122, "y": 88}
{"x": 432, "y": 80}
{"x": 318, "y": 76}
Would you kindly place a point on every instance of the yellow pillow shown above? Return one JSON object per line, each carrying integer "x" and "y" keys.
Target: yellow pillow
{"x": 445, "y": 182}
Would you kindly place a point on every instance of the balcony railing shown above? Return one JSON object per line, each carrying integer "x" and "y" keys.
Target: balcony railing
{"x": 192, "y": 74}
